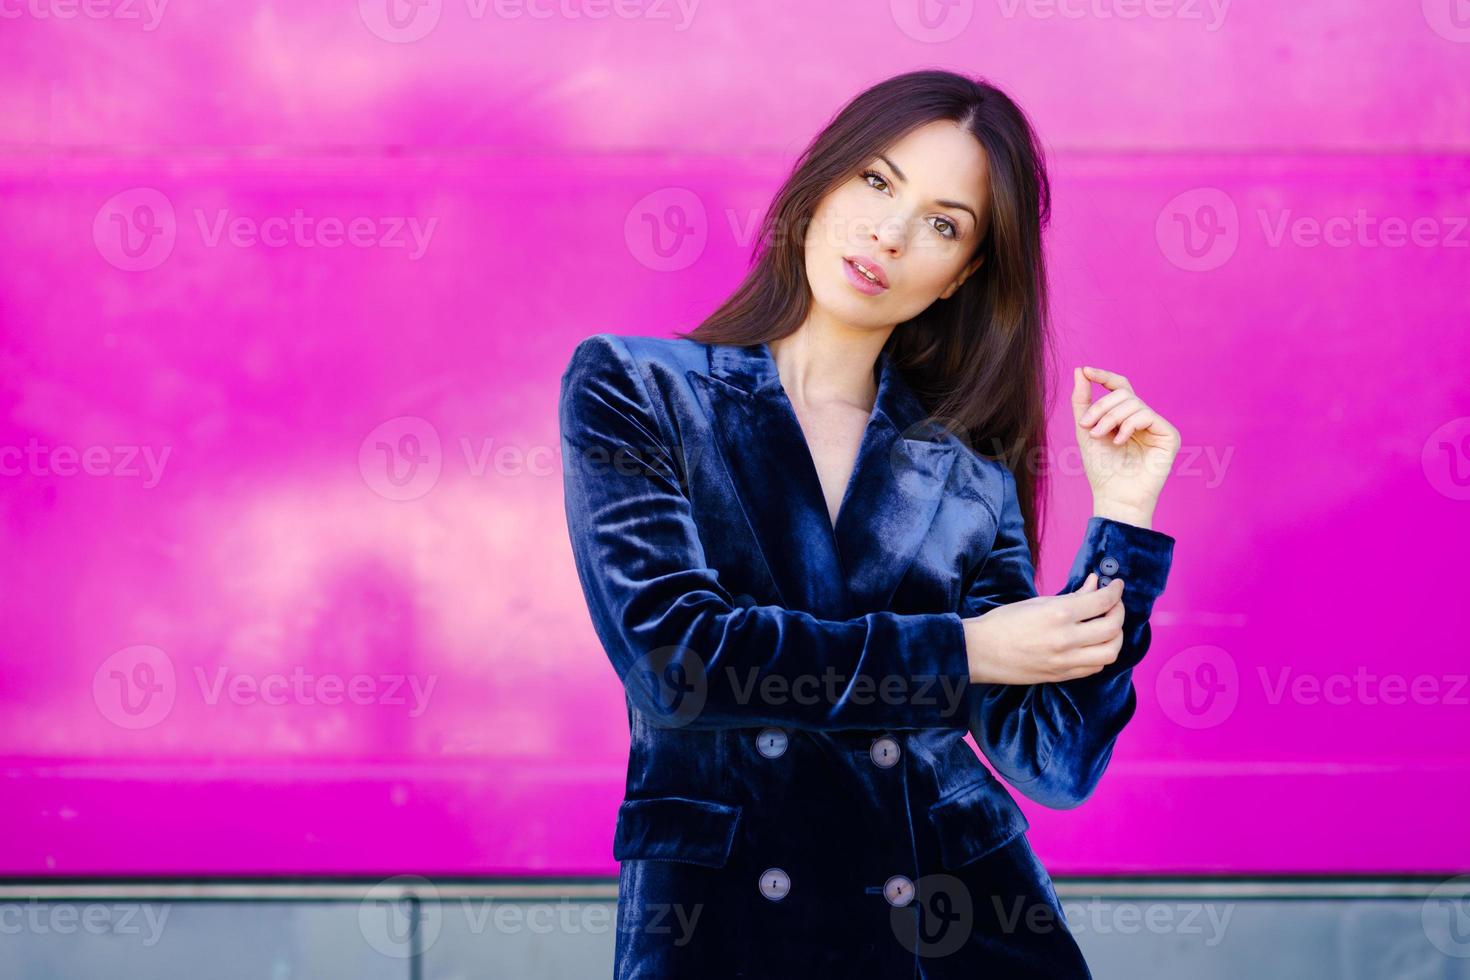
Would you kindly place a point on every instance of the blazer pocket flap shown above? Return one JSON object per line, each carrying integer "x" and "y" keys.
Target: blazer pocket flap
{"x": 976, "y": 820}
{"x": 676, "y": 828}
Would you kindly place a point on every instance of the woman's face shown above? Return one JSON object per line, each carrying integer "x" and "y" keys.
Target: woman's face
{"x": 913, "y": 215}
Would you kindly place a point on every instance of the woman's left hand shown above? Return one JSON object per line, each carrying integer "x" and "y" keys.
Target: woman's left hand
{"x": 1127, "y": 447}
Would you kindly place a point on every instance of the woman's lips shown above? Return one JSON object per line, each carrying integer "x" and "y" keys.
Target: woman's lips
{"x": 861, "y": 282}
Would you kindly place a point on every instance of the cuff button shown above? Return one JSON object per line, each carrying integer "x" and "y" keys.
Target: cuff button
{"x": 1108, "y": 566}
{"x": 1103, "y": 581}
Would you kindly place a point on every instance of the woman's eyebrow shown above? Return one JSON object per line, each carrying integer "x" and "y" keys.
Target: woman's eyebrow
{"x": 949, "y": 204}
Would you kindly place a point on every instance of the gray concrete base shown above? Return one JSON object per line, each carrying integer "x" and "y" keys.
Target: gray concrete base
{"x": 409, "y": 928}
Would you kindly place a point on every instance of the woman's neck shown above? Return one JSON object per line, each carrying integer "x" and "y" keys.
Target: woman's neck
{"x": 820, "y": 363}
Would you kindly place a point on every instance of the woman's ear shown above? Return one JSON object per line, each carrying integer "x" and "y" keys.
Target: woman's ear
{"x": 960, "y": 279}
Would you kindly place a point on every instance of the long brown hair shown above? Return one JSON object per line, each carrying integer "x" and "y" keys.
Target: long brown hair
{"x": 978, "y": 361}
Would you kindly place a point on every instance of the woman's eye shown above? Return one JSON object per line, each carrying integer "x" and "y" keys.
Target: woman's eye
{"x": 950, "y": 229}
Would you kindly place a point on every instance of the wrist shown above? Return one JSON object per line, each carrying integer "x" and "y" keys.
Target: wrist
{"x": 1124, "y": 513}
{"x": 975, "y": 649}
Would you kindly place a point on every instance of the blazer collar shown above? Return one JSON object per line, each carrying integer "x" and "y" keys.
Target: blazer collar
{"x": 890, "y": 501}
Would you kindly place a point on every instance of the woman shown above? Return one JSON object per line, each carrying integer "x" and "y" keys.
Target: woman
{"x": 811, "y": 589}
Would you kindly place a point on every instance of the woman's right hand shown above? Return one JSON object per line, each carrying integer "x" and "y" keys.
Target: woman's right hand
{"x": 1047, "y": 638}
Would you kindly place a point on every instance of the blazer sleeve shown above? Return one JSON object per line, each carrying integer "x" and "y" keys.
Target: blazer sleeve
{"x": 1052, "y": 741}
{"x": 687, "y": 654}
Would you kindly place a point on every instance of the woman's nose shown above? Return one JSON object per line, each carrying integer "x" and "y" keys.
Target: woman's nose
{"x": 891, "y": 233}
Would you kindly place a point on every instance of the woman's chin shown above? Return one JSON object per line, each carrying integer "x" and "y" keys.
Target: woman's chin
{"x": 843, "y": 303}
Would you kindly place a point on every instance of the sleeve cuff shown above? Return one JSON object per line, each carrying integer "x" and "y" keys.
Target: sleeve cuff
{"x": 953, "y": 668}
{"x": 1140, "y": 556}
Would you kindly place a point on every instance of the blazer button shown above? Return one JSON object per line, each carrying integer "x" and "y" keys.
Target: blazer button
{"x": 1108, "y": 566}
{"x": 771, "y": 742}
{"x": 884, "y": 752}
{"x": 775, "y": 884}
{"x": 899, "y": 891}
{"x": 1103, "y": 581}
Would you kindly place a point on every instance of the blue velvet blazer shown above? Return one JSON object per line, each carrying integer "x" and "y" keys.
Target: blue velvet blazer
{"x": 800, "y": 800}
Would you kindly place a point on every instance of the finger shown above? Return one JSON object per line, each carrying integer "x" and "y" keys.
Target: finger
{"x": 1101, "y": 629}
{"x": 1102, "y": 405}
{"x": 1081, "y": 394}
{"x": 1085, "y": 606}
{"x": 1118, "y": 413}
{"x": 1094, "y": 604}
{"x": 1066, "y": 616}
{"x": 1108, "y": 379}
{"x": 1091, "y": 659}
{"x": 1141, "y": 419}
{"x": 1076, "y": 673}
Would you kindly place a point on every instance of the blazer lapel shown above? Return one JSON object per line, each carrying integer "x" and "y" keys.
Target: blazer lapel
{"x": 890, "y": 501}
{"x": 898, "y": 484}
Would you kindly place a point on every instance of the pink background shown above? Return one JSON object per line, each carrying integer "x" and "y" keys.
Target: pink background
{"x": 331, "y": 501}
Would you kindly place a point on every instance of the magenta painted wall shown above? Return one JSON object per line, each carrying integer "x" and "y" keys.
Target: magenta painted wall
{"x": 286, "y": 290}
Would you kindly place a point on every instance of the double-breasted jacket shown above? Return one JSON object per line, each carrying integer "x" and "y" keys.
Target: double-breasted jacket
{"x": 800, "y": 797}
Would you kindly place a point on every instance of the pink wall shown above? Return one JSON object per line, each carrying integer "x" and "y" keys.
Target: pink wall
{"x": 197, "y": 423}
